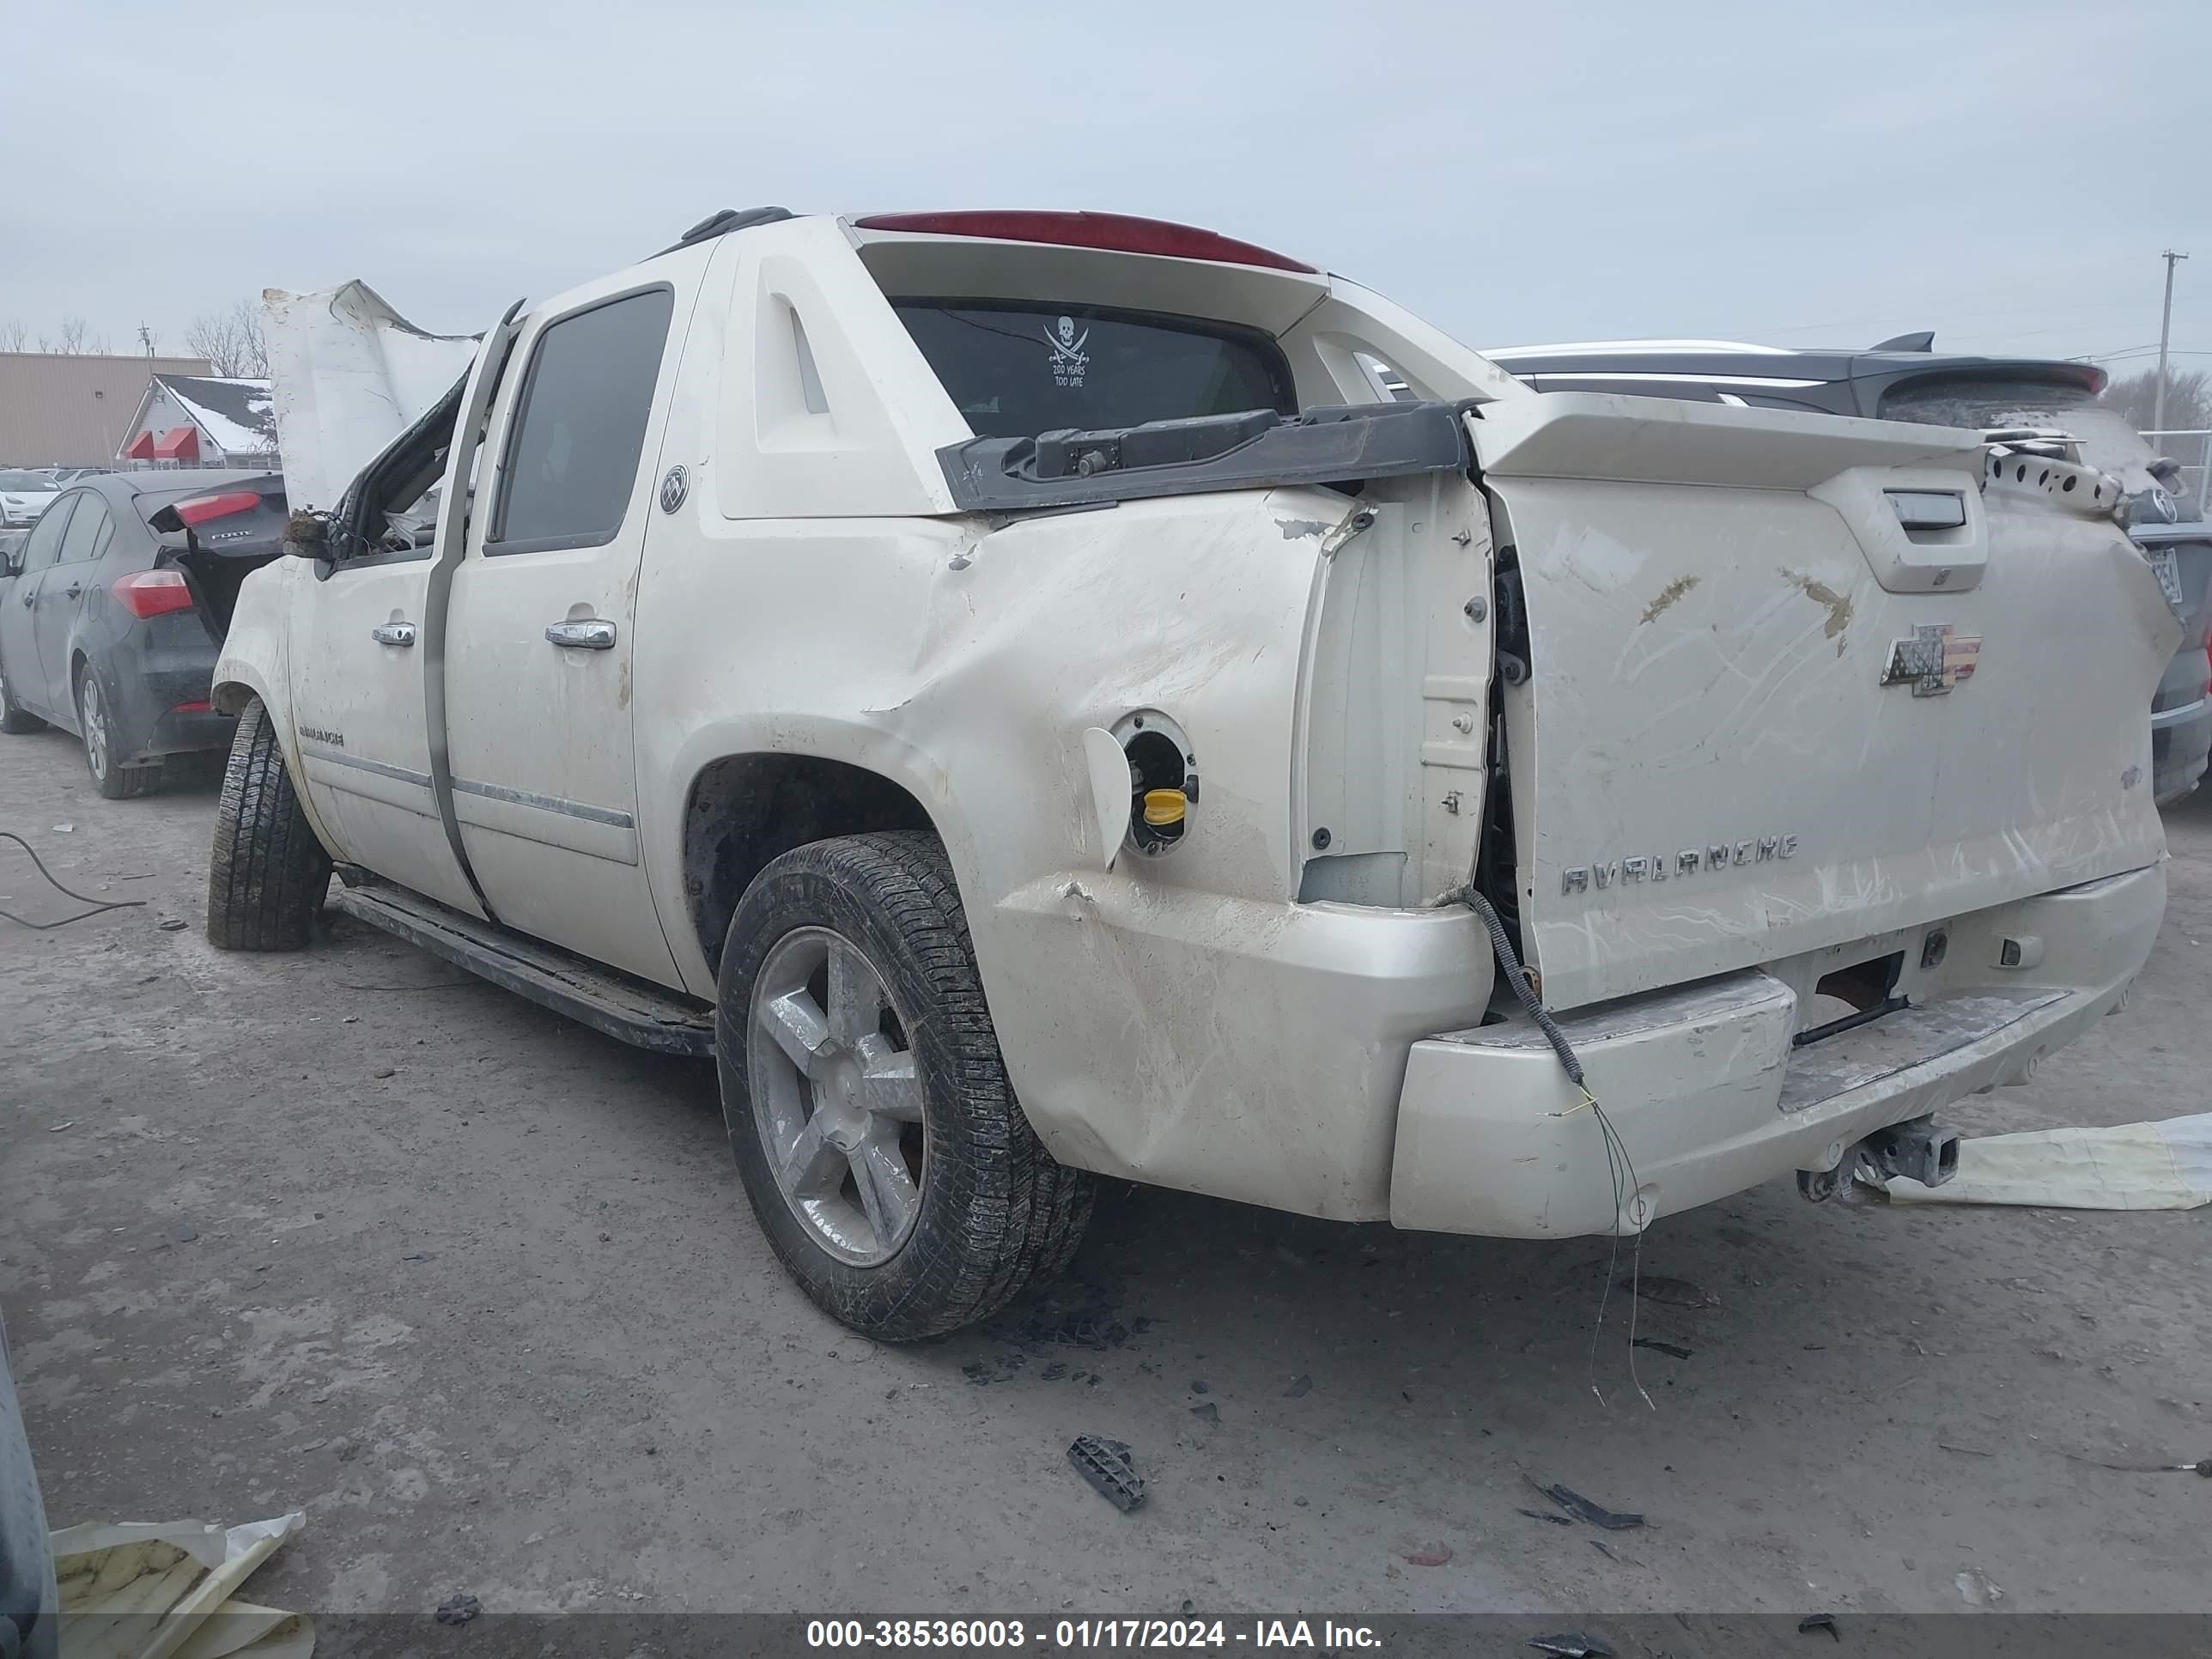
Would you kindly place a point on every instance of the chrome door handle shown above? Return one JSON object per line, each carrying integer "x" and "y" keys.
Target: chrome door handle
{"x": 587, "y": 633}
{"x": 397, "y": 632}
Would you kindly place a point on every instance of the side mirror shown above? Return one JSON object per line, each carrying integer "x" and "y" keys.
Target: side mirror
{"x": 11, "y": 560}
{"x": 307, "y": 535}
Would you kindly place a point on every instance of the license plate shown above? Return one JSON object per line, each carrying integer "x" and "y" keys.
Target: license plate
{"x": 2169, "y": 577}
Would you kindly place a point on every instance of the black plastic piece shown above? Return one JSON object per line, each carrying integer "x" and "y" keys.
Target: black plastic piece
{"x": 1339, "y": 445}
{"x": 1924, "y": 341}
{"x": 722, "y": 223}
{"x": 1581, "y": 1507}
{"x": 1106, "y": 1464}
{"x": 1571, "y": 1644}
{"x": 1072, "y": 454}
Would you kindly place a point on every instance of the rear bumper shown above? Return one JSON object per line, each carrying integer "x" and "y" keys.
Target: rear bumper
{"x": 2180, "y": 743}
{"x": 1708, "y": 1096}
{"x": 160, "y": 679}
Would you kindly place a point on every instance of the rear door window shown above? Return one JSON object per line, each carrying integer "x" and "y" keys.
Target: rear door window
{"x": 89, "y": 531}
{"x": 1015, "y": 369}
{"x": 579, "y": 433}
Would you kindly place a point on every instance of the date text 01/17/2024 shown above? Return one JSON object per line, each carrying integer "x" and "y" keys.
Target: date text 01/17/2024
{"x": 1326, "y": 1636}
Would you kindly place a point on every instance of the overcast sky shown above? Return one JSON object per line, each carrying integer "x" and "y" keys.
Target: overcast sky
{"x": 1524, "y": 173}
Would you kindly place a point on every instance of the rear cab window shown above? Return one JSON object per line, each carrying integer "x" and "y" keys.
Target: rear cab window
{"x": 1016, "y": 369}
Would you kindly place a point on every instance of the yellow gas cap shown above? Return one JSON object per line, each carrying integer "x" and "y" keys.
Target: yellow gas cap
{"x": 1164, "y": 807}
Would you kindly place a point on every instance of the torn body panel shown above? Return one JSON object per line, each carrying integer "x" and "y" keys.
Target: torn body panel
{"x": 348, "y": 374}
{"x": 1731, "y": 771}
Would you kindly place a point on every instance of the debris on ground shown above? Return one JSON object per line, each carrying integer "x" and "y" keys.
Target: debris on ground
{"x": 2129, "y": 1166}
{"x": 180, "y": 1576}
{"x": 1582, "y": 1510}
{"x": 1107, "y": 1466}
{"x": 1826, "y": 1622}
{"x": 1429, "y": 1555}
{"x": 1674, "y": 1292}
{"x": 1673, "y": 1349}
{"x": 2203, "y": 1466}
{"x": 1300, "y": 1387}
{"x": 1209, "y": 1412}
{"x": 1572, "y": 1644}
{"x": 1975, "y": 1586}
{"x": 459, "y": 1609}
{"x": 1546, "y": 1516}
{"x": 1199, "y": 1385}
{"x": 1069, "y": 1314}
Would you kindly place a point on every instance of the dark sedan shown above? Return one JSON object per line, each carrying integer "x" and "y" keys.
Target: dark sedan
{"x": 113, "y": 609}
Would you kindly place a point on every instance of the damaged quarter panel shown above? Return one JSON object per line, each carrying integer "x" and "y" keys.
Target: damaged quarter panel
{"x": 1730, "y": 760}
{"x": 1141, "y": 1010}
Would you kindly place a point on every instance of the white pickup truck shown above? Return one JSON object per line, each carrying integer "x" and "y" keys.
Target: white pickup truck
{"x": 1015, "y": 688}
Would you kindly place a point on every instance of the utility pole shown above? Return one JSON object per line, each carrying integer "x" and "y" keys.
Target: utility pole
{"x": 146, "y": 338}
{"x": 2165, "y": 333}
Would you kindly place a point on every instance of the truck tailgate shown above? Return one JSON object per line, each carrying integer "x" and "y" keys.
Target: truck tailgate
{"x": 1721, "y": 754}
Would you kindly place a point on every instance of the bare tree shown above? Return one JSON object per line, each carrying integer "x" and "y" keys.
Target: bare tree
{"x": 75, "y": 339}
{"x": 2188, "y": 399}
{"x": 231, "y": 340}
{"x": 13, "y": 336}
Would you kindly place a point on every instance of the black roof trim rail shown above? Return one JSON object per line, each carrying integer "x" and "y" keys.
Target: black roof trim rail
{"x": 722, "y": 223}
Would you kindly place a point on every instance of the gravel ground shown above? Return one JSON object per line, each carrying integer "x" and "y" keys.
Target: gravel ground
{"x": 478, "y": 1289}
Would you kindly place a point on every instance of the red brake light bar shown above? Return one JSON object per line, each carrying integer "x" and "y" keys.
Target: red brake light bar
{"x": 201, "y": 509}
{"x": 1117, "y": 232}
{"x": 146, "y": 593}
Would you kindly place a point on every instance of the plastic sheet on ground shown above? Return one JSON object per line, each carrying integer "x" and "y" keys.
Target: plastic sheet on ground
{"x": 2133, "y": 1166}
{"x": 144, "y": 1590}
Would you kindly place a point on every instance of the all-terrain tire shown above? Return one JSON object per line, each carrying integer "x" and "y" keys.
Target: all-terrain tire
{"x": 14, "y": 719}
{"x": 996, "y": 1210}
{"x": 268, "y": 874}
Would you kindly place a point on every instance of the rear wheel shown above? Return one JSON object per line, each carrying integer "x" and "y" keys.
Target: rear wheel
{"x": 96, "y": 722}
{"x": 268, "y": 874}
{"x": 14, "y": 719}
{"x": 867, "y": 1104}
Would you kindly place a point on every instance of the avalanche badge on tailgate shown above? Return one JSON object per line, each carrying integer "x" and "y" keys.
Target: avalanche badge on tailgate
{"x": 1933, "y": 661}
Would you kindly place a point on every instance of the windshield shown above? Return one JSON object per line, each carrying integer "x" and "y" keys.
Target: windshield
{"x": 1016, "y": 369}
{"x": 19, "y": 480}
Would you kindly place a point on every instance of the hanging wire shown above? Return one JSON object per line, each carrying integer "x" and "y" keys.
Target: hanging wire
{"x": 1620, "y": 1168}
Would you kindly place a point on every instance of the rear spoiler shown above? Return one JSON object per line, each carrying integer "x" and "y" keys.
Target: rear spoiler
{"x": 1253, "y": 449}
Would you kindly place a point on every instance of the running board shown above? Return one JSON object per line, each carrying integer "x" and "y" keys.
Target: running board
{"x": 637, "y": 1013}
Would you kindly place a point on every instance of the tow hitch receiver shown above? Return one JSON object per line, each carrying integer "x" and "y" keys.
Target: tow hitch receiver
{"x": 1919, "y": 1149}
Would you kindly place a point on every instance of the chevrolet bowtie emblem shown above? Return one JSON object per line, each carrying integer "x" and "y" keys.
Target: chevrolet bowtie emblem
{"x": 1933, "y": 661}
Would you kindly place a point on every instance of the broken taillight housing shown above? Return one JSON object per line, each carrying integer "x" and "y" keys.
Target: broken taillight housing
{"x": 201, "y": 509}
{"x": 146, "y": 593}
